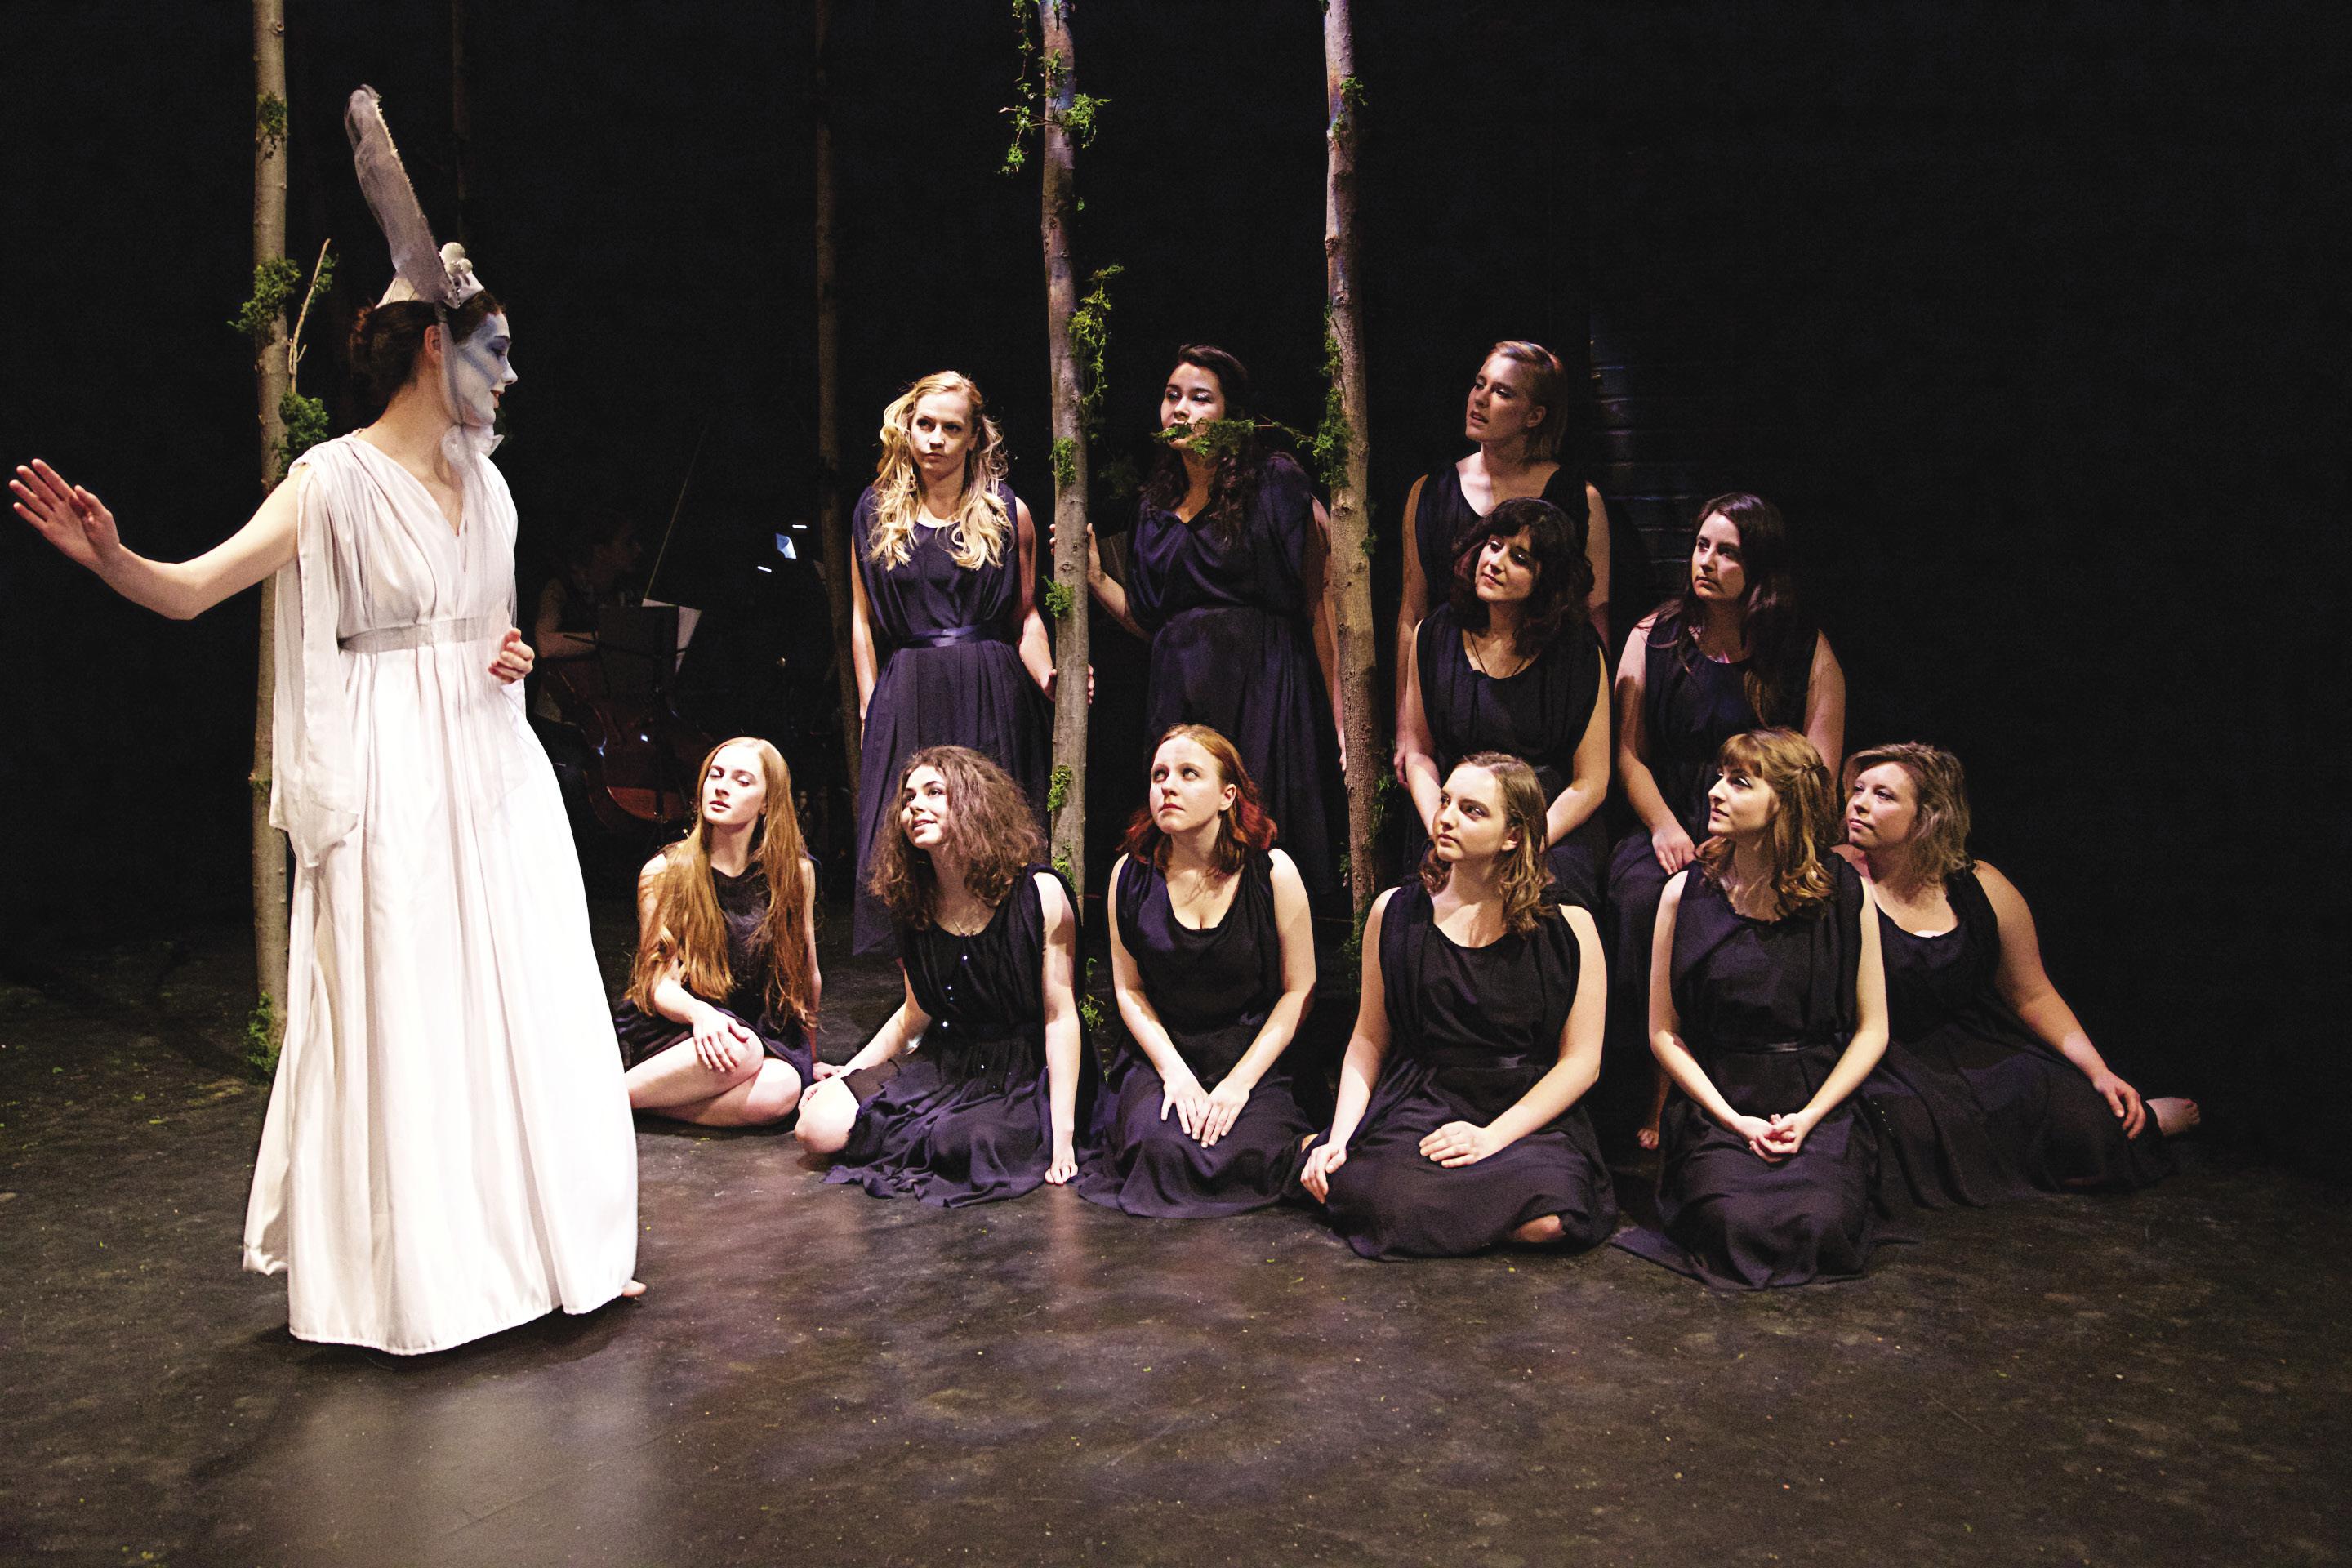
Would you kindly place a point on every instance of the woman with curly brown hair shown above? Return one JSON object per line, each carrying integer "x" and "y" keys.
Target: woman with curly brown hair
{"x": 1227, "y": 587}
{"x": 1991, "y": 1088}
{"x": 1457, "y": 1126}
{"x": 1213, "y": 955}
{"x": 976, "y": 1087}
{"x": 948, "y": 647}
{"x": 715, "y": 1027}
{"x": 1768, "y": 1008}
{"x": 1508, "y": 664}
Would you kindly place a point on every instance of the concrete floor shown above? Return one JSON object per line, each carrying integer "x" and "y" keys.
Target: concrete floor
{"x": 2155, "y": 1379}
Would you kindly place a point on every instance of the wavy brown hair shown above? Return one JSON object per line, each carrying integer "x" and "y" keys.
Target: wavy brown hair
{"x": 1939, "y": 794}
{"x": 1240, "y": 465}
{"x": 1522, "y": 876}
{"x": 990, "y": 827}
{"x": 1804, "y": 835}
{"x": 1778, "y": 634}
{"x": 1563, "y": 573}
{"x": 1244, "y": 827}
{"x": 689, "y": 928}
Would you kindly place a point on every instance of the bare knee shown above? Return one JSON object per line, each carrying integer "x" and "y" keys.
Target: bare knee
{"x": 1541, "y": 1231}
{"x": 827, "y": 1118}
{"x": 775, "y": 1092}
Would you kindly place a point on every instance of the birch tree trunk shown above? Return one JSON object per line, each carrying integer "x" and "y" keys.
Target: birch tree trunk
{"x": 1350, "y": 579}
{"x": 270, "y": 376}
{"x": 1070, "y": 651}
{"x": 832, "y": 525}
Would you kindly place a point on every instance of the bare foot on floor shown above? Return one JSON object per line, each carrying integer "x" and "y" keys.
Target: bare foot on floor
{"x": 633, "y": 1289}
{"x": 2175, "y": 1115}
{"x": 1648, "y": 1136}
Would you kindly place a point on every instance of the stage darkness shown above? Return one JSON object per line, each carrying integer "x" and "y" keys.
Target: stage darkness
{"x": 2035, "y": 326}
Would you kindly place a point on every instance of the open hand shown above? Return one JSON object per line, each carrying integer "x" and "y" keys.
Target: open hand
{"x": 514, "y": 658}
{"x": 1315, "y": 1176}
{"x": 2123, "y": 1100}
{"x": 1458, "y": 1143}
{"x": 1186, "y": 1097}
{"x": 719, "y": 1041}
{"x": 1224, "y": 1108}
{"x": 67, "y": 515}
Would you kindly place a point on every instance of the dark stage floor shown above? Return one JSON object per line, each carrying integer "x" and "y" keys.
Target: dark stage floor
{"x": 2159, "y": 1379}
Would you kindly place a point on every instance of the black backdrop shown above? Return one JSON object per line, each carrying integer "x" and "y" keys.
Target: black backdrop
{"x": 2037, "y": 322}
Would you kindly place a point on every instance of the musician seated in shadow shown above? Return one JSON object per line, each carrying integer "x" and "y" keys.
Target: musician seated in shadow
{"x": 598, "y": 569}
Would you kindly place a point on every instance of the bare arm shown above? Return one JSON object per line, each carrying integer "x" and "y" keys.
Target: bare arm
{"x": 1633, "y": 743}
{"x": 1587, "y": 779}
{"x": 1564, "y": 1083}
{"x": 1368, "y": 1048}
{"x": 1596, "y": 551}
{"x": 1825, "y": 708}
{"x": 1037, "y": 648}
{"x": 1134, "y": 1008}
{"x": 1416, "y": 751}
{"x": 80, "y": 525}
{"x": 903, "y": 1026}
{"x": 1295, "y": 922}
{"x": 1869, "y": 1042}
{"x": 2025, "y": 985}
{"x": 1411, "y": 612}
{"x": 861, "y": 637}
{"x": 1109, "y": 591}
{"x": 808, "y": 924}
{"x": 1062, "y": 1042}
{"x": 1315, "y": 572}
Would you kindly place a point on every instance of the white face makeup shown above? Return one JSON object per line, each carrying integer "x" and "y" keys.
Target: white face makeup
{"x": 481, "y": 370}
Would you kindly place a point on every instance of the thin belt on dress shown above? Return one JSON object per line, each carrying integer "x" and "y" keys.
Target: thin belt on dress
{"x": 1777, "y": 1047}
{"x": 952, "y": 636}
{"x": 472, "y": 629}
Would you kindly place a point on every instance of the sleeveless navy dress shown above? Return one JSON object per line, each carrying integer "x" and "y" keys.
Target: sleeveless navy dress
{"x": 1972, "y": 1106}
{"x": 1538, "y": 715}
{"x": 1232, "y": 647}
{"x": 743, "y": 904}
{"x": 951, "y": 676}
{"x": 1213, "y": 990}
{"x": 1470, "y": 1031}
{"x": 966, "y": 1117}
{"x": 1767, "y": 1007}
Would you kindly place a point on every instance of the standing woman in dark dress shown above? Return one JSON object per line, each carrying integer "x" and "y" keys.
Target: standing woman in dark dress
{"x": 1228, "y": 588}
{"x": 1735, "y": 651}
{"x": 973, "y": 1091}
{"x": 1517, "y": 416}
{"x": 1213, "y": 955}
{"x": 715, "y": 1028}
{"x": 1990, "y": 1090}
{"x": 1508, "y": 664}
{"x": 1457, "y": 1126}
{"x": 1767, "y": 1007}
{"x": 949, "y": 645}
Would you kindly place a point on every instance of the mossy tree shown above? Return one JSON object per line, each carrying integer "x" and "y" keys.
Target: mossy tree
{"x": 273, "y": 381}
{"x": 1345, "y": 452}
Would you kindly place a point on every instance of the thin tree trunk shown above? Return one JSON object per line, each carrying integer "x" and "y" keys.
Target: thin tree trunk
{"x": 461, "y": 119}
{"x": 1070, "y": 651}
{"x": 270, "y": 380}
{"x": 1351, "y": 560}
{"x": 833, "y": 526}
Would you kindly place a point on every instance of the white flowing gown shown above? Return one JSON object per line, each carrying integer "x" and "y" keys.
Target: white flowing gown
{"x": 449, "y": 1150}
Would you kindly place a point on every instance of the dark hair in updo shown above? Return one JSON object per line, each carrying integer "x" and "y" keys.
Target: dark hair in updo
{"x": 1563, "y": 573}
{"x": 386, "y": 339}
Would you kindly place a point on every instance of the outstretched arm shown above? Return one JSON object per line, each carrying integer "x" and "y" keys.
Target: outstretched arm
{"x": 81, "y": 526}
{"x": 2025, "y": 985}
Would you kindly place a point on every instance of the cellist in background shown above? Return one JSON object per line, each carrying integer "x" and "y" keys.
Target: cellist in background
{"x": 599, "y": 566}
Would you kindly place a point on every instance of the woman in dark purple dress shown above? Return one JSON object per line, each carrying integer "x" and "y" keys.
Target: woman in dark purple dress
{"x": 1508, "y": 663}
{"x": 715, "y": 1028}
{"x": 1735, "y": 651}
{"x": 1213, "y": 955}
{"x": 1227, "y": 586}
{"x": 1768, "y": 1008}
{"x": 1457, "y": 1126}
{"x": 948, "y": 643}
{"x": 1990, "y": 1090}
{"x": 976, "y": 1087}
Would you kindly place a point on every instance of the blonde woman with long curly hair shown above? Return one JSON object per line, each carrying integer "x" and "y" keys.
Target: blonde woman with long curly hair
{"x": 723, "y": 995}
{"x": 1458, "y": 1126}
{"x": 944, "y": 630}
{"x": 1768, "y": 1008}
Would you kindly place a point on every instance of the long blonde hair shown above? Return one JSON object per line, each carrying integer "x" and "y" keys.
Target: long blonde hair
{"x": 982, "y": 522}
{"x": 1524, "y": 872}
{"x": 1801, "y": 841}
{"x": 689, "y": 930}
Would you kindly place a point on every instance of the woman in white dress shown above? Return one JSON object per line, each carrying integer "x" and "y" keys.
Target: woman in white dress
{"x": 448, "y": 1148}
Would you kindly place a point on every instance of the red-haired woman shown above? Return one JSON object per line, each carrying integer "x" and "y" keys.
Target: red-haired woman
{"x": 975, "y": 1088}
{"x": 1768, "y": 1008}
{"x": 715, "y": 1028}
{"x": 1213, "y": 955}
{"x": 1990, "y": 1088}
{"x": 1457, "y": 1126}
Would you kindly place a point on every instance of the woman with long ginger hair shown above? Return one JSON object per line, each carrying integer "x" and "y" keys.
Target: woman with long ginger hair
{"x": 715, "y": 1028}
{"x": 1213, "y": 956}
{"x": 1768, "y": 1008}
{"x": 991, "y": 1103}
{"x": 1990, "y": 1088}
{"x": 948, "y": 647}
{"x": 1457, "y": 1126}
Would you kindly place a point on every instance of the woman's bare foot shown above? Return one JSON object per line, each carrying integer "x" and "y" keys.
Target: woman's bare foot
{"x": 2174, "y": 1115}
{"x": 1647, "y": 1137}
{"x": 633, "y": 1289}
